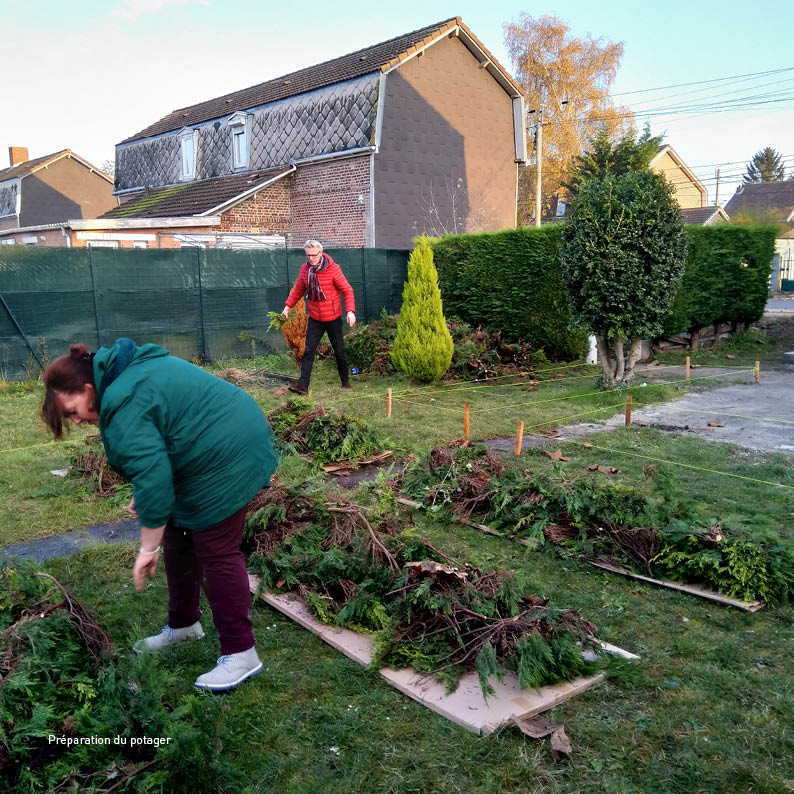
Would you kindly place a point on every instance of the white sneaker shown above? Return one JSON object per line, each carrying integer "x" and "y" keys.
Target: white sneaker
{"x": 168, "y": 637}
{"x": 232, "y": 670}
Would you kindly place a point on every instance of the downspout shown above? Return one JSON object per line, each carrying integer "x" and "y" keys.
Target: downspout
{"x": 67, "y": 237}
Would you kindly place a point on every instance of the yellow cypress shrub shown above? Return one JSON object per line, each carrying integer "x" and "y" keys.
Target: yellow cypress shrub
{"x": 423, "y": 346}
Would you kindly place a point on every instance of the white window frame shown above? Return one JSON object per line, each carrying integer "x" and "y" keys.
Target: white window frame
{"x": 239, "y": 125}
{"x": 140, "y": 244}
{"x": 185, "y": 137}
{"x": 102, "y": 243}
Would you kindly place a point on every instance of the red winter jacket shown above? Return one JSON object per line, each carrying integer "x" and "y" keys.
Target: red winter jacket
{"x": 332, "y": 282}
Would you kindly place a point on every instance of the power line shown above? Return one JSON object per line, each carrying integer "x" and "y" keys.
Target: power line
{"x": 702, "y": 82}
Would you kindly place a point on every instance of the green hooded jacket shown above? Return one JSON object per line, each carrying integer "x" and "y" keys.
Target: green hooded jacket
{"x": 195, "y": 447}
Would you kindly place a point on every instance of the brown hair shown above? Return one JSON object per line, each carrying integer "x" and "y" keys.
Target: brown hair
{"x": 68, "y": 375}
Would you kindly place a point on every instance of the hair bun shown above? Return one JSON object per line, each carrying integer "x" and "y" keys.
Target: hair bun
{"x": 78, "y": 350}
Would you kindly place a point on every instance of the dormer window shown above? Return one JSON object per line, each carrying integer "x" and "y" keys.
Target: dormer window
{"x": 239, "y": 124}
{"x": 187, "y": 143}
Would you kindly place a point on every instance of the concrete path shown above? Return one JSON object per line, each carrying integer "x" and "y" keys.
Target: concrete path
{"x": 68, "y": 543}
{"x": 745, "y": 409}
{"x": 780, "y": 305}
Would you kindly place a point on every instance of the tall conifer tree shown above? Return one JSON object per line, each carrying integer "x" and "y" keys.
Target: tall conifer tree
{"x": 423, "y": 346}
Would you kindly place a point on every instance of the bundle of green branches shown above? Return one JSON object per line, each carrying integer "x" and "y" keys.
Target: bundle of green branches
{"x": 329, "y": 437}
{"x": 91, "y": 464}
{"x": 426, "y": 610}
{"x": 58, "y": 677}
{"x": 655, "y": 534}
{"x": 478, "y": 353}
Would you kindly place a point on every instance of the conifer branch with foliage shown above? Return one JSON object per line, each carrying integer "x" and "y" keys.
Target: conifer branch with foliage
{"x": 658, "y": 536}
{"x": 328, "y": 437}
{"x": 374, "y": 574}
{"x": 59, "y": 677}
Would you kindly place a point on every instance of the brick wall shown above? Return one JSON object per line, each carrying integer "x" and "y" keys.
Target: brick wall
{"x": 266, "y": 212}
{"x": 331, "y": 202}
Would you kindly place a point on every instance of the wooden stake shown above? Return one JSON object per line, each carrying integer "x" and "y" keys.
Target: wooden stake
{"x": 688, "y": 368}
{"x": 757, "y": 371}
{"x": 466, "y": 423}
{"x": 628, "y": 410}
{"x": 388, "y": 403}
{"x": 519, "y": 437}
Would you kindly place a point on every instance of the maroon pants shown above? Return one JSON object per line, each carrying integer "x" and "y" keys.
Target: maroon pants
{"x": 211, "y": 556}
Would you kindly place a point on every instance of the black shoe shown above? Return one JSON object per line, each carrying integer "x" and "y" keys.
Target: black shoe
{"x": 298, "y": 388}
{"x": 346, "y": 385}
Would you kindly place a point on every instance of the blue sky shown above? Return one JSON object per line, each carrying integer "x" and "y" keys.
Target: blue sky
{"x": 87, "y": 74}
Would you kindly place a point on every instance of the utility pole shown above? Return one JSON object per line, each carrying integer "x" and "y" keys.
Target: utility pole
{"x": 717, "y": 195}
{"x": 538, "y": 165}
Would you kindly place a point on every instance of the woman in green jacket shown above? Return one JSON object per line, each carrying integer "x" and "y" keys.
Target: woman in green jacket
{"x": 196, "y": 449}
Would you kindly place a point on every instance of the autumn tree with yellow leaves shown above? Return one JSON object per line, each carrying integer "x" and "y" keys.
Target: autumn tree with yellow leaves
{"x": 570, "y": 79}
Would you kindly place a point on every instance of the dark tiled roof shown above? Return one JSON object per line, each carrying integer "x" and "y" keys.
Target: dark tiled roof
{"x": 761, "y": 197}
{"x": 346, "y": 67}
{"x": 23, "y": 169}
{"x": 697, "y": 216}
{"x": 192, "y": 198}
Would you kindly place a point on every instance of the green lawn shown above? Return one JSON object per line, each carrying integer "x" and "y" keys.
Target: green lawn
{"x": 709, "y": 708}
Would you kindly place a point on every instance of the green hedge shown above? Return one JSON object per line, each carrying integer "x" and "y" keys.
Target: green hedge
{"x": 726, "y": 278}
{"x": 511, "y": 282}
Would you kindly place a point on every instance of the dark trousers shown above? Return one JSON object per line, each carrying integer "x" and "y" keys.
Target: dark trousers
{"x": 211, "y": 556}
{"x": 314, "y": 333}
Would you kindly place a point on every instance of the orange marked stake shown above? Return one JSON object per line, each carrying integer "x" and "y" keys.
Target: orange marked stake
{"x": 466, "y": 422}
{"x": 688, "y": 368}
{"x": 757, "y": 371}
{"x": 388, "y": 403}
{"x": 519, "y": 437}
{"x": 628, "y": 410}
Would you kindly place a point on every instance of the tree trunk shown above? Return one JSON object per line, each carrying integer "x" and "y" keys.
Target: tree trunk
{"x": 694, "y": 339}
{"x": 635, "y": 351}
{"x": 619, "y": 359}
{"x": 607, "y": 364}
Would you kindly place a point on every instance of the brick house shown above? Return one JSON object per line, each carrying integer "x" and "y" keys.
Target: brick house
{"x": 37, "y": 196}
{"x": 421, "y": 133}
{"x": 690, "y": 192}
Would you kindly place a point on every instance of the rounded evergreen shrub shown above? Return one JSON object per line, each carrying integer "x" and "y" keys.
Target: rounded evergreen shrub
{"x": 623, "y": 253}
{"x": 423, "y": 346}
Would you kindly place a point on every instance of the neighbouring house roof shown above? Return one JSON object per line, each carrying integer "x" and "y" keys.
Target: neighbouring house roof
{"x": 196, "y": 198}
{"x": 761, "y": 197}
{"x": 379, "y": 57}
{"x": 21, "y": 170}
{"x": 702, "y": 216}
{"x": 667, "y": 149}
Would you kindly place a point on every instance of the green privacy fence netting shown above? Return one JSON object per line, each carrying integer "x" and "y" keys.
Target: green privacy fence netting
{"x": 197, "y": 302}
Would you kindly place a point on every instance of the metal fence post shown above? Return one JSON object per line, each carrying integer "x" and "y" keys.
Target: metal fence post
{"x": 93, "y": 293}
{"x": 199, "y": 257}
{"x": 365, "y": 304}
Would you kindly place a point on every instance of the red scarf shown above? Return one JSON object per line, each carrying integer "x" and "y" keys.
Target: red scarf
{"x": 313, "y": 283}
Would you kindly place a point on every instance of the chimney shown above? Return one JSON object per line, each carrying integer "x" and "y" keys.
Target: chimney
{"x": 17, "y": 154}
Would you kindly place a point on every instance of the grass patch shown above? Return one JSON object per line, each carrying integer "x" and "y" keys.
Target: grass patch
{"x": 711, "y": 701}
{"x": 709, "y": 708}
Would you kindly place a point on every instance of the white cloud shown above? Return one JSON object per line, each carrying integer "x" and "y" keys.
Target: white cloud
{"x": 132, "y": 9}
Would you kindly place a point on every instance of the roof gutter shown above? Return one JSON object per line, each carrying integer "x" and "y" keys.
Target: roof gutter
{"x": 317, "y": 158}
{"x": 101, "y": 224}
{"x": 229, "y": 203}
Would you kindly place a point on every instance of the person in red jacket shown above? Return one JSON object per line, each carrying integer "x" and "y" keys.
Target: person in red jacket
{"x": 322, "y": 281}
